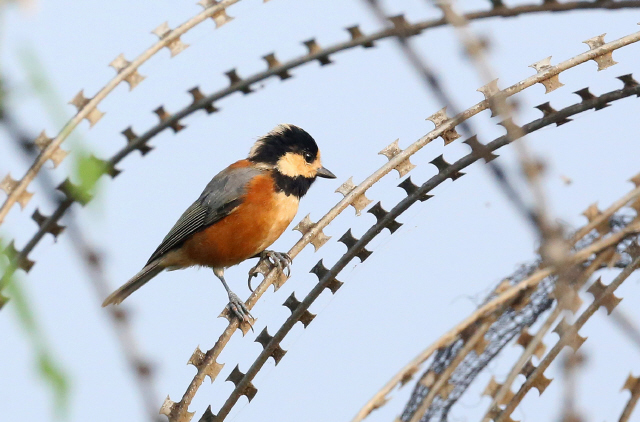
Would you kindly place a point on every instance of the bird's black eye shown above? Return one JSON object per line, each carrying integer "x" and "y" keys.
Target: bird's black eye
{"x": 308, "y": 157}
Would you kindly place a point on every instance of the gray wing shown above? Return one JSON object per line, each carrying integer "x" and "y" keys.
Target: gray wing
{"x": 222, "y": 195}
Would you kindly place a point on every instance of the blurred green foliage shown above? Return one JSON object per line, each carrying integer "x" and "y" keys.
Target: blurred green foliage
{"x": 47, "y": 367}
{"x": 86, "y": 170}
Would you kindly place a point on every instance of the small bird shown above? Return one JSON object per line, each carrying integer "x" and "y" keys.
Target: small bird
{"x": 240, "y": 213}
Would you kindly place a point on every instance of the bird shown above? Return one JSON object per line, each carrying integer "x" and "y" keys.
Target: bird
{"x": 240, "y": 213}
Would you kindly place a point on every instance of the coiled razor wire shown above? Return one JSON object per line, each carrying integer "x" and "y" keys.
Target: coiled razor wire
{"x": 510, "y": 323}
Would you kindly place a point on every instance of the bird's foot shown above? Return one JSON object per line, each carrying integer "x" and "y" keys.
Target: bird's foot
{"x": 239, "y": 309}
{"x": 279, "y": 260}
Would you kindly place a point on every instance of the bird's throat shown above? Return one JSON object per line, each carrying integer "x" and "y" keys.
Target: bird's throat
{"x": 297, "y": 186}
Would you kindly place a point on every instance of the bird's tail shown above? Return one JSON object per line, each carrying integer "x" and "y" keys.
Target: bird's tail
{"x": 137, "y": 281}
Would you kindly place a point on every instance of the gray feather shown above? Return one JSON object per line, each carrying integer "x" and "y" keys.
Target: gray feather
{"x": 137, "y": 281}
{"x": 220, "y": 197}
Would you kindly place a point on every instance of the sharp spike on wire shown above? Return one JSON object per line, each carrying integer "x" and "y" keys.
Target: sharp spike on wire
{"x": 9, "y": 184}
{"x": 547, "y": 110}
{"x": 198, "y": 359}
{"x": 552, "y": 82}
{"x": 234, "y": 80}
{"x": 440, "y": 118}
{"x": 164, "y": 116}
{"x": 393, "y": 149}
{"x": 273, "y": 63}
{"x": 360, "y": 202}
{"x": 305, "y": 226}
{"x": 120, "y": 64}
{"x": 314, "y": 49}
{"x": 175, "y": 45}
{"x": 264, "y": 338}
{"x": 220, "y": 17}
{"x": 410, "y": 188}
{"x": 292, "y": 303}
{"x": 381, "y": 213}
{"x": 349, "y": 241}
{"x": 54, "y": 229}
{"x": 199, "y": 96}
{"x": 132, "y": 137}
{"x": 235, "y": 377}
{"x": 605, "y": 60}
{"x": 357, "y": 35}
{"x": 79, "y": 101}
{"x": 443, "y": 166}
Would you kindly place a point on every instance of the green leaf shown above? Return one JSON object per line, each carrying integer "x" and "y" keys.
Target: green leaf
{"x": 88, "y": 169}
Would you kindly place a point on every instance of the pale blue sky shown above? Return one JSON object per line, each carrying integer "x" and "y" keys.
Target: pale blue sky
{"x": 417, "y": 284}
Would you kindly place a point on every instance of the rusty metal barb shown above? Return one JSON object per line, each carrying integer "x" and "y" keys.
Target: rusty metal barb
{"x": 568, "y": 336}
{"x": 633, "y": 385}
{"x": 533, "y": 344}
{"x": 380, "y": 398}
{"x": 127, "y": 71}
{"x": 419, "y": 194}
{"x": 135, "y": 142}
{"x": 443, "y": 378}
{"x": 180, "y": 408}
{"x": 402, "y": 206}
{"x": 87, "y": 108}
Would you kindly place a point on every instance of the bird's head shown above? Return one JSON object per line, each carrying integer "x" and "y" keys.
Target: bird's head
{"x": 293, "y": 155}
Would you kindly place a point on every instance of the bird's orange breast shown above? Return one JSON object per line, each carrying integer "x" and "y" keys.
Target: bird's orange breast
{"x": 248, "y": 230}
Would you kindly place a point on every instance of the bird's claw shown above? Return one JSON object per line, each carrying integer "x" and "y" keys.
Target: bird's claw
{"x": 280, "y": 260}
{"x": 239, "y": 309}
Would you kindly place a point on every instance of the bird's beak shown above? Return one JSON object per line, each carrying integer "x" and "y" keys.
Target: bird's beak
{"x": 323, "y": 172}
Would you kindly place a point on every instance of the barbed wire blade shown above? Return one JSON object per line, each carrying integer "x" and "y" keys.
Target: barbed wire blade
{"x": 175, "y": 45}
{"x": 80, "y": 101}
{"x": 264, "y": 338}
{"x": 169, "y": 408}
{"x": 120, "y": 64}
{"x": 390, "y": 151}
{"x": 305, "y": 226}
{"x": 440, "y": 118}
{"x": 235, "y": 377}
{"x": 9, "y": 184}
{"x": 605, "y": 60}
{"x": 292, "y": 303}
{"x": 349, "y": 241}
{"x": 552, "y": 82}
{"x": 198, "y": 359}
{"x": 360, "y": 202}
{"x": 54, "y": 229}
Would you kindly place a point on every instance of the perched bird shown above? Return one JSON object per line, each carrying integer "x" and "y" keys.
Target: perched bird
{"x": 240, "y": 213}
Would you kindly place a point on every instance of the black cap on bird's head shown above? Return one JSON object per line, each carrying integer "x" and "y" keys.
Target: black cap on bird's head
{"x": 293, "y": 154}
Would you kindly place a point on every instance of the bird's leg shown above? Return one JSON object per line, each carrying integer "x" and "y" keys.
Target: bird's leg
{"x": 280, "y": 260}
{"x": 236, "y": 306}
